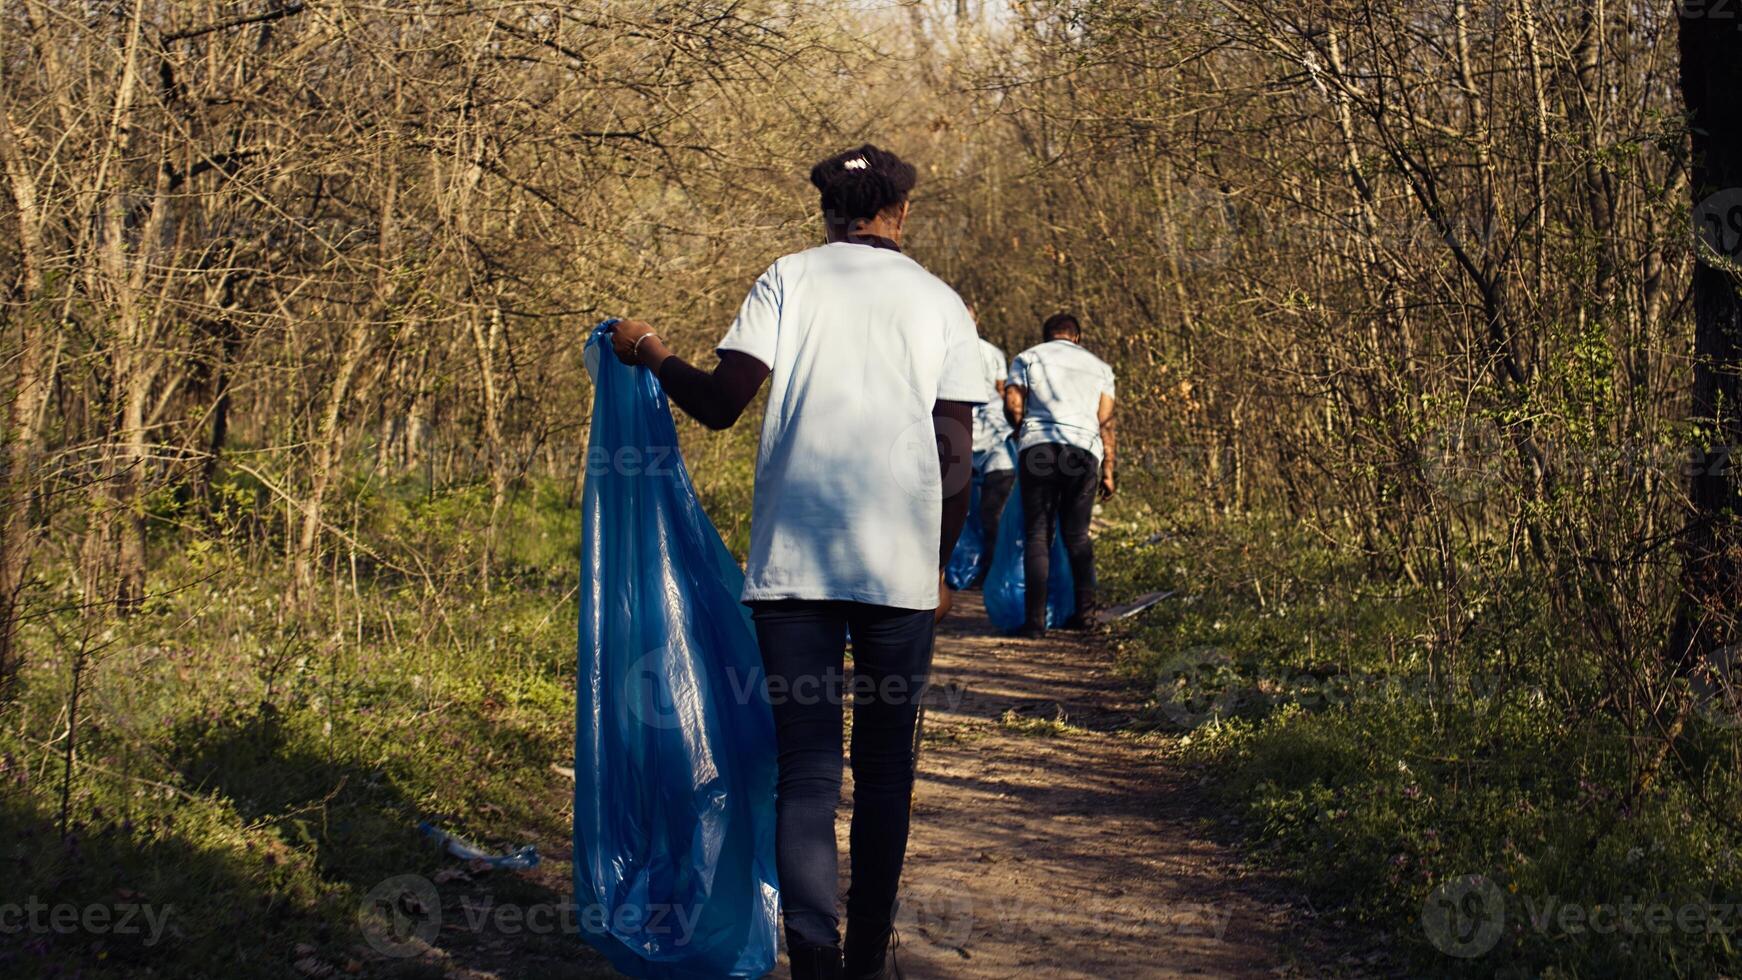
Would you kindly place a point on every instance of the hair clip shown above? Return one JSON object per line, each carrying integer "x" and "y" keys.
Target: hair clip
{"x": 857, "y": 163}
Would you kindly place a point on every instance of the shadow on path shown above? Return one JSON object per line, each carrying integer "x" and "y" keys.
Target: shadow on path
{"x": 1049, "y": 842}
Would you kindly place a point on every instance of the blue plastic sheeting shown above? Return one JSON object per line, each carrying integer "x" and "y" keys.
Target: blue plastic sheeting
{"x": 674, "y": 740}
{"x": 1004, "y": 588}
{"x": 970, "y": 551}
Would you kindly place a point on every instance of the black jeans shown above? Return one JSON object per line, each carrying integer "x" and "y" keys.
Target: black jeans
{"x": 994, "y": 492}
{"x": 802, "y": 645}
{"x": 1058, "y": 484}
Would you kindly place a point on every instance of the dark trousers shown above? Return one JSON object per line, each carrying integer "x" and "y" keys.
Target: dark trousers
{"x": 994, "y": 492}
{"x": 1058, "y": 486}
{"x": 802, "y": 645}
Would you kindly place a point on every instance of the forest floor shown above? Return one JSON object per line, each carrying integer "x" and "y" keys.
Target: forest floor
{"x": 1048, "y": 841}
{"x": 1261, "y": 775}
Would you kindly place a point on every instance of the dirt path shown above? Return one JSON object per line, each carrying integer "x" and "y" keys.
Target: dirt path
{"x": 1047, "y": 842}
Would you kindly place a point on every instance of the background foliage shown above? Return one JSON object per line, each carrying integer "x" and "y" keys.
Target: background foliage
{"x": 1397, "y": 294}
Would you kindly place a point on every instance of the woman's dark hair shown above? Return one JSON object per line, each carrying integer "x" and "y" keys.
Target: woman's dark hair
{"x": 1060, "y": 324}
{"x": 861, "y": 183}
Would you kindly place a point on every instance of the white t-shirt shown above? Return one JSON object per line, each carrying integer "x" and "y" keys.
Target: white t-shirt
{"x": 1064, "y": 386}
{"x": 991, "y": 428}
{"x": 860, "y": 343}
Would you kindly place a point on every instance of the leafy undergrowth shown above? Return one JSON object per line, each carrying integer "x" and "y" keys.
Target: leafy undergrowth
{"x": 1487, "y": 821}
{"x": 246, "y": 773}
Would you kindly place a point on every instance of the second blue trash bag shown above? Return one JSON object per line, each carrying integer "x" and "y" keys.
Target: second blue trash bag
{"x": 970, "y": 550}
{"x": 674, "y": 739}
{"x": 1004, "y": 588}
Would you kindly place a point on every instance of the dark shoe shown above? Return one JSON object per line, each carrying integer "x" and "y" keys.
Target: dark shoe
{"x": 876, "y": 962}
{"x": 815, "y": 962}
{"x": 1029, "y": 631}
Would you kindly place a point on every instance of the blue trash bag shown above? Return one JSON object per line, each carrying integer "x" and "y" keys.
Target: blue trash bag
{"x": 674, "y": 739}
{"x": 970, "y": 550}
{"x": 1004, "y": 588}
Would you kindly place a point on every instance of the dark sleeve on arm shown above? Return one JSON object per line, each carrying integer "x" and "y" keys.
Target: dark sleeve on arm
{"x": 715, "y": 400}
{"x": 954, "y": 424}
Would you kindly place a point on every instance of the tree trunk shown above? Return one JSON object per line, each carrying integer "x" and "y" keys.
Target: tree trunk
{"x": 18, "y": 447}
{"x": 327, "y": 451}
{"x": 124, "y": 272}
{"x": 16, "y": 465}
{"x": 228, "y": 334}
{"x": 1711, "y": 75}
{"x": 130, "y": 495}
{"x": 495, "y": 449}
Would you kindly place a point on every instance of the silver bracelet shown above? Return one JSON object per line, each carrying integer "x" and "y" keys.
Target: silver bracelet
{"x": 635, "y": 351}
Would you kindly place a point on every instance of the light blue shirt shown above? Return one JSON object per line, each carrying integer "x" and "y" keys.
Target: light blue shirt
{"x": 992, "y": 430}
{"x": 1064, "y": 384}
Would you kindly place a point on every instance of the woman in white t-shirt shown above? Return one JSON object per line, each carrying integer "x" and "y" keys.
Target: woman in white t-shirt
{"x": 862, "y": 484}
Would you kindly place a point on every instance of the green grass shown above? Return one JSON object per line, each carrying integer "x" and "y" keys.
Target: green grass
{"x": 249, "y": 769}
{"x": 254, "y": 770}
{"x": 1344, "y": 752}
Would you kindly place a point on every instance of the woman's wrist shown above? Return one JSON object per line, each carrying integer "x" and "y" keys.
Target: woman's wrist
{"x": 651, "y": 352}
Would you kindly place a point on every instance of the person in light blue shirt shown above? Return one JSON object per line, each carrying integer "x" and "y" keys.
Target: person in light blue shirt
{"x": 1060, "y": 398}
{"x": 994, "y": 455}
